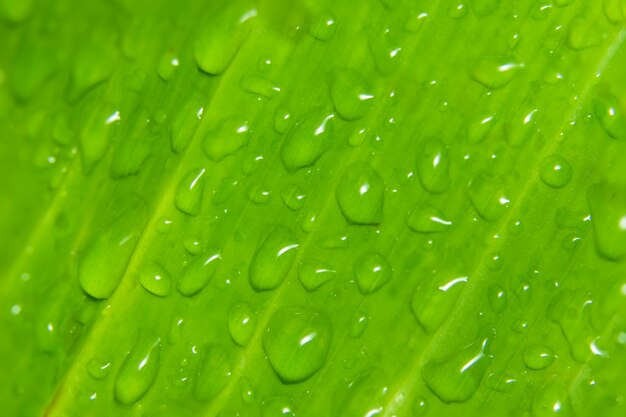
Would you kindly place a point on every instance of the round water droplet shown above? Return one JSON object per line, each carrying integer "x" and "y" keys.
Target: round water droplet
{"x": 308, "y": 139}
{"x": 214, "y": 371}
{"x": 241, "y": 323}
{"x": 273, "y": 259}
{"x": 556, "y": 172}
{"x": 428, "y": 219}
{"x": 98, "y": 369}
{"x": 167, "y": 65}
{"x": 278, "y": 407}
{"x": 488, "y": 197}
{"x": 232, "y": 134}
{"x": 199, "y": 272}
{"x": 360, "y": 194}
{"x": 188, "y": 198}
{"x": 192, "y": 244}
{"x": 259, "y": 194}
{"x": 350, "y": 94}
{"x": 282, "y": 120}
{"x": 433, "y": 166}
{"x": 296, "y": 342}
{"x": 496, "y": 71}
{"x": 608, "y": 111}
{"x": 372, "y": 272}
{"x": 359, "y": 324}
{"x": 538, "y": 357}
{"x": 497, "y": 298}
{"x": 323, "y": 27}
{"x": 313, "y": 275}
{"x": 293, "y": 197}
{"x": 435, "y": 298}
{"x": 608, "y": 213}
{"x": 139, "y": 370}
{"x": 155, "y": 279}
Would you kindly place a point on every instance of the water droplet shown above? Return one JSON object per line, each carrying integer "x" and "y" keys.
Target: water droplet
{"x": 221, "y": 36}
{"x": 293, "y": 197}
{"x": 350, "y": 94}
{"x": 185, "y": 124}
{"x": 176, "y": 329}
{"x": 372, "y": 271}
{"x": 95, "y": 136}
{"x": 457, "y": 378}
{"x": 139, "y": 370}
{"x": 615, "y": 10}
{"x": 189, "y": 192}
{"x": 192, "y": 244}
{"x": 497, "y": 298}
{"x": 369, "y": 395}
{"x": 93, "y": 64}
{"x": 241, "y": 323}
{"x": 259, "y": 194}
{"x": 485, "y": 7}
{"x": 609, "y": 113}
{"x": 259, "y": 85}
{"x": 583, "y": 34}
{"x": 478, "y": 130}
{"x": 313, "y": 275}
{"x": 199, "y": 272}
{"x": 32, "y": 66}
{"x": 98, "y": 369}
{"x": 360, "y": 194}
{"x": 415, "y": 22}
{"x": 232, "y": 134}
{"x": 104, "y": 261}
{"x": 296, "y": 342}
{"x": 167, "y": 65}
{"x": 550, "y": 400}
{"x": 488, "y": 197}
{"x": 308, "y": 139}
{"x": 433, "y": 166}
{"x": 500, "y": 382}
{"x": 520, "y": 129}
{"x": 359, "y": 324}
{"x": 496, "y": 71}
{"x": 213, "y": 374}
{"x": 278, "y": 407}
{"x": 608, "y": 213}
{"x": 248, "y": 394}
{"x": 428, "y": 219}
{"x": 537, "y": 357}
{"x": 130, "y": 155}
{"x": 323, "y": 27}
{"x": 556, "y": 172}
{"x": 282, "y": 120}
{"x": 457, "y": 11}
{"x": 273, "y": 259}
{"x": 572, "y": 311}
{"x": 155, "y": 279}
{"x": 436, "y": 297}
{"x": 385, "y": 47}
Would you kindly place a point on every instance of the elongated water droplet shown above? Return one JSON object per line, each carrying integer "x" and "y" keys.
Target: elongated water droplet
{"x": 232, "y": 134}
{"x": 139, "y": 370}
{"x": 372, "y": 271}
{"x": 104, "y": 261}
{"x": 167, "y": 65}
{"x": 385, "y": 47}
{"x": 308, "y": 139}
{"x": 497, "y": 298}
{"x": 313, "y": 275}
{"x": 456, "y": 379}
{"x": 188, "y": 198}
{"x": 433, "y": 166}
{"x": 93, "y": 64}
{"x": 259, "y": 85}
{"x": 572, "y": 311}
{"x": 32, "y": 66}
{"x": 608, "y": 213}
{"x": 435, "y": 298}
{"x": 214, "y": 371}
{"x": 96, "y": 134}
{"x": 293, "y": 197}
{"x": 496, "y": 71}
{"x": 368, "y": 396}
{"x": 221, "y": 36}
{"x": 478, "y": 130}
{"x": 359, "y": 324}
{"x": 428, "y": 219}
{"x": 282, "y": 120}
{"x": 360, "y": 194}
{"x": 130, "y": 155}
{"x": 155, "y": 279}
{"x": 608, "y": 111}
{"x": 273, "y": 259}
{"x": 185, "y": 124}
{"x": 323, "y": 27}
{"x": 296, "y": 342}
{"x": 241, "y": 323}
{"x": 199, "y": 272}
{"x": 538, "y": 357}
{"x": 488, "y": 197}
{"x": 98, "y": 369}
{"x": 350, "y": 94}
{"x": 556, "y": 172}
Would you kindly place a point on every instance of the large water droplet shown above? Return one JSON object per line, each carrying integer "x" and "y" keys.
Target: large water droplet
{"x": 433, "y": 166}
{"x": 188, "y": 198}
{"x": 608, "y": 213}
{"x": 273, "y": 259}
{"x": 199, "y": 272}
{"x": 372, "y": 271}
{"x": 232, "y": 134}
{"x": 155, "y": 279}
{"x": 214, "y": 371}
{"x": 360, "y": 194}
{"x": 296, "y": 342}
{"x": 350, "y": 94}
{"x": 313, "y": 275}
{"x": 139, "y": 370}
{"x": 241, "y": 323}
{"x": 556, "y": 172}
{"x": 435, "y": 298}
{"x": 496, "y": 72}
{"x": 308, "y": 139}
{"x": 457, "y": 378}
{"x": 221, "y": 36}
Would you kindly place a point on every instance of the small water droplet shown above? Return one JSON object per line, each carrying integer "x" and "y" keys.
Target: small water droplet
{"x": 359, "y": 324}
{"x": 155, "y": 279}
{"x": 259, "y": 194}
{"x": 259, "y": 85}
{"x": 479, "y": 129}
{"x": 608, "y": 213}
{"x": 241, "y": 323}
{"x": 615, "y": 10}
{"x": 428, "y": 219}
{"x": 433, "y": 166}
{"x": 308, "y": 139}
{"x": 98, "y": 369}
{"x": 550, "y": 400}
{"x": 537, "y": 357}
{"x": 385, "y": 47}
{"x": 232, "y": 134}
{"x": 282, "y": 120}
{"x": 296, "y": 342}
{"x": 192, "y": 244}
{"x": 278, "y": 407}
{"x": 167, "y": 65}
{"x": 608, "y": 111}
{"x": 436, "y": 297}
{"x": 488, "y": 197}
{"x": 583, "y": 34}
{"x": 350, "y": 94}
{"x": 497, "y": 298}
{"x": 273, "y": 259}
{"x": 372, "y": 271}
{"x": 139, "y": 370}
{"x": 496, "y": 71}
{"x": 185, "y": 124}
{"x": 293, "y": 197}
{"x": 313, "y": 275}
{"x": 458, "y": 10}
{"x": 93, "y": 64}
{"x": 360, "y": 194}
{"x": 188, "y": 198}
{"x": 323, "y": 27}
{"x": 214, "y": 371}
{"x": 199, "y": 272}
{"x": 556, "y": 172}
